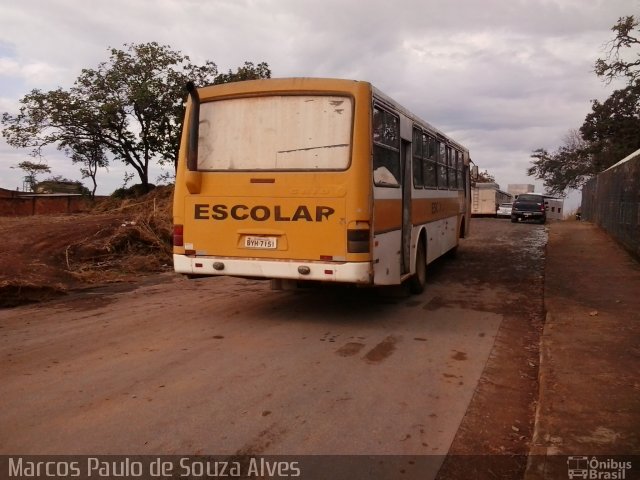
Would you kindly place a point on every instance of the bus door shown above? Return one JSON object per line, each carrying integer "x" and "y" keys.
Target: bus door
{"x": 405, "y": 159}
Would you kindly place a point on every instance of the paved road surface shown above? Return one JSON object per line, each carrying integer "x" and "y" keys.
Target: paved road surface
{"x": 227, "y": 366}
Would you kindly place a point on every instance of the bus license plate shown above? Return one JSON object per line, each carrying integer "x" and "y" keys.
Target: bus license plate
{"x": 269, "y": 243}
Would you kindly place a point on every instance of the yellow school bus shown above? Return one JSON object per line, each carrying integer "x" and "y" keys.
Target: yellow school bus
{"x": 309, "y": 179}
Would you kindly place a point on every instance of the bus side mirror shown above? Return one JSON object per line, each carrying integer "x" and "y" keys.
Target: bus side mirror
{"x": 194, "y": 125}
{"x": 474, "y": 172}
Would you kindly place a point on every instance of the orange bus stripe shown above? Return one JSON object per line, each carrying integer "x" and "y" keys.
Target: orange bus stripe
{"x": 387, "y": 215}
{"x": 388, "y": 212}
{"x": 428, "y": 210}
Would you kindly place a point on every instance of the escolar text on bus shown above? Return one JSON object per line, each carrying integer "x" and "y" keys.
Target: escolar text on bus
{"x": 261, "y": 213}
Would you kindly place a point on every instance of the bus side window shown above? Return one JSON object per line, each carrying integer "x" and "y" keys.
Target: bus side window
{"x": 386, "y": 148}
{"x": 451, "y": 168}
{"x": 429, "y": 165}
{"x": 443, "y": 184}
{"x": 459, "y": 169}
{"x": 416, "y": 161}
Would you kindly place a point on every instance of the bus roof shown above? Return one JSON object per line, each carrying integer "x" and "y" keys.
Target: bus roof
{"x": 269, "y": 85}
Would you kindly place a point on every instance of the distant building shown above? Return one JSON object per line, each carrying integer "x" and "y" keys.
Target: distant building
{"x": 554, "y": 207}
{"x": 486, "y": 197}
{"x": 518, "y": 188}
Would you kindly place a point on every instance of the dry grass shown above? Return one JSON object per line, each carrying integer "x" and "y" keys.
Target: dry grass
{"x": 141, "y": 243}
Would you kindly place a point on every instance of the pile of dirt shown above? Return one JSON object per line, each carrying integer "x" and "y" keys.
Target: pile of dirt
{"x": 118, "y": 240}
{"x": 141, "y": 243}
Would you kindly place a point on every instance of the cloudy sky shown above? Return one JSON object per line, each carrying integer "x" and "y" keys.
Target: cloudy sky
{"x": 503, "y": 77}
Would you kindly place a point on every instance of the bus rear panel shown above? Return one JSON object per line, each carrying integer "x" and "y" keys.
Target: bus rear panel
{"x": 314, "y": 179}
{"x": 274, "y": 193}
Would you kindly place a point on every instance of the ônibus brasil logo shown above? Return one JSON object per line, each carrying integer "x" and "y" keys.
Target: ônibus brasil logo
{"x": 594, "y": 468}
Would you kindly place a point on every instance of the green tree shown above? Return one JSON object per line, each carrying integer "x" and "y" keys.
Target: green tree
{"x": 615, "y": 64}
{"x": 485, "y": 177}
{"x": 131, "y": 106}
{"x": 91, "y": 156}
{"x": 612, "y": 129}
{"x": 248, "y": 71}
{"x": 610, "y": 132}
{"x": 32, "y": 170}
{"x": 565, "y": 168}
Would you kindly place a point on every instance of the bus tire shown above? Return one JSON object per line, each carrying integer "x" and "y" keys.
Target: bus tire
{"x": 418, "y": 280}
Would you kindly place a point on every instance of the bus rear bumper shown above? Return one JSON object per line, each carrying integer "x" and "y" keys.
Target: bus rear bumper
{"x": 348, "y": 272}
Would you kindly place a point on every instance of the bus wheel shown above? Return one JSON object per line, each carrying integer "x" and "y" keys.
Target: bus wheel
{"x": 419, "y": 279}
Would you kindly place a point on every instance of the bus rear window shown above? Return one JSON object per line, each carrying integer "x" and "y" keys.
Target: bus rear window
{"x": 307, "y": 132}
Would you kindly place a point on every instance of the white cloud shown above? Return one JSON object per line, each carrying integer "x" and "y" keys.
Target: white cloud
{"x": 32, "y": 74}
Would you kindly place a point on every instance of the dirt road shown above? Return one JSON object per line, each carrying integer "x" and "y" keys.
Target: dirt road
{"x": 227, "y": 366}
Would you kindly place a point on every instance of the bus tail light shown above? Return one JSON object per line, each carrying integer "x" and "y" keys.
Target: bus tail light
{"x": 178, "y": 238}
{"x": 358, "y": 241}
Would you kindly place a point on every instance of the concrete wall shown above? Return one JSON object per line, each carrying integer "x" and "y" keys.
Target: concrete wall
{"x": 612, "y": 201}
{"x": 15, "y": 204}
{"x": 4, "y": 193}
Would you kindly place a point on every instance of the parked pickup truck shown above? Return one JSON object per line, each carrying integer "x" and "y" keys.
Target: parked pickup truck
{"x": 529, "y": 206}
